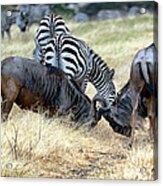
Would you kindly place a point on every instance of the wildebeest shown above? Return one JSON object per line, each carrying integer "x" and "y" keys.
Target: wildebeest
{"x": 143, "y": 81}
{"x": 30, "y": 86}
{"x": 141, "y": 89}
{"x": 8, "y": 18}
{"x": 119, "y": 115}
{"x": 29, "y": 14}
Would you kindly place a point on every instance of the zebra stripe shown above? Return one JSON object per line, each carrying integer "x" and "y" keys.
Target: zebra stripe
{"x": 49, "y": 27}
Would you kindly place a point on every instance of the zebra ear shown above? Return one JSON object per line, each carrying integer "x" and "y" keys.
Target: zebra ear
{"x": 111, "y": 73}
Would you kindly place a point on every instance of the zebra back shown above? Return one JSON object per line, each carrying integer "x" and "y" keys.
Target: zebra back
{"x": 49, "y": 26}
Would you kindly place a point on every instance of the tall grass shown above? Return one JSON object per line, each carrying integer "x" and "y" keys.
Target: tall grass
{"x": 33, "y": 146}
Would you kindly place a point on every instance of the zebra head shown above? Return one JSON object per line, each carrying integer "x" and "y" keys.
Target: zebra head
{"x": 107, "y": 99}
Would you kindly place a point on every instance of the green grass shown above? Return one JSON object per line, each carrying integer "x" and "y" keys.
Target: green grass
{"x": 54, "y": 149}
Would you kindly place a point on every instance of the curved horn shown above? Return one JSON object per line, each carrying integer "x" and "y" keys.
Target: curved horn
{"x": 97, "y": 97}
{"x": 104, "y": 107}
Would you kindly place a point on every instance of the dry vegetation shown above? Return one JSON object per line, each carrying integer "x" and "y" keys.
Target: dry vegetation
{"x": 35, "y": 147}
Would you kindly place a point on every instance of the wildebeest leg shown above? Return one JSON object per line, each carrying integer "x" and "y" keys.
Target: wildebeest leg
{"x": 151, "y": 115}
{"x": 9, "y": 94}
{"x": 135, "y": 92}
{"x": 2, "y": 34}
{"x": 6, "y": 108}
{"x": 133, "y": 116}
{"x": 9, "y": 34}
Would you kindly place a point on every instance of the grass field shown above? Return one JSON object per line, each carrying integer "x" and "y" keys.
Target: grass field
{"x": 35, "y": 147}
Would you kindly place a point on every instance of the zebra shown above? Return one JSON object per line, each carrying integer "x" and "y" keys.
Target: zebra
{"x": 78, "y": 61}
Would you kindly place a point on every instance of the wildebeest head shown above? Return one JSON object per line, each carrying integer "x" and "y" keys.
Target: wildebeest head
{"x": 22, "y": 21}
{"x": 119, "y": 114}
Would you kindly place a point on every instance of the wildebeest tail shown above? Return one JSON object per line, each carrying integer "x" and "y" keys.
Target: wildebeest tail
{"x": 144, "y": 71}
{"x": 150, "y": 88}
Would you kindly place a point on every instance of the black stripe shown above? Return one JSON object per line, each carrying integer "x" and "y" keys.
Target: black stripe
{"x": 49, "y": 57}
{"x": 59, "y": 30}
{"x": 60, "y": 23}
{"x": 42, "y": 31}
{"x": 69, "y": 50}
{"x": 72, "y": 43}
{"x": 44, "y": 24}
{"x": 71, "y": 61}
{"x": 71, "y": 69}
{"x": 49, "y": 49}
{"x": 58, "y": 18}
{"x": 42, "y": 39}
{"x": 69, "y": 41}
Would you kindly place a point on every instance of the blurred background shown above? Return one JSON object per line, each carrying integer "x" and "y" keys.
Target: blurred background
{"x": 77, "y": 12}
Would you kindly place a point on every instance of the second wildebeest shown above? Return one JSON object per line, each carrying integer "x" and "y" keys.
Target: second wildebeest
{"x": 8, "y": 18}
{"x": 29, "y": 14}
{"x": 143, "y": 81}
{"x": 30, "y": 86}
{"x": 119, "y": 115}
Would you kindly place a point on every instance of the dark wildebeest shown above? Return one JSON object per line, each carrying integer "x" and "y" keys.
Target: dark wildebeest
{"x": 29, "y": 14}
{"x": 119, "y": 115}
{"x": 8, "y": 18}
{"x": 143, "y": 81}
{"x": 30, "y": 86}
{"x": 137, "y": 98}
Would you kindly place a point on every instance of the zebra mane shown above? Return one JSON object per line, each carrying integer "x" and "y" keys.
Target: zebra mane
{"x": 51, "y": 26}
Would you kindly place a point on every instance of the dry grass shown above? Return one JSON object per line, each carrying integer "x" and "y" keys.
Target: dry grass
{"x": 35, "y": 147}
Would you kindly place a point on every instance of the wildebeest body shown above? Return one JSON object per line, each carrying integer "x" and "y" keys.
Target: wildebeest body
{"x": 143, "y": 81}
{"x": 29, "y": 14}
{"x": 29, "y": 85}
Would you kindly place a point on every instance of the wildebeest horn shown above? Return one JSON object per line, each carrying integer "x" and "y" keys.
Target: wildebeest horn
{"x": 104, "y": 106}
